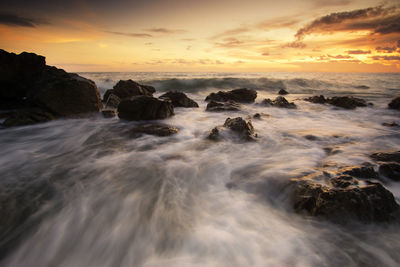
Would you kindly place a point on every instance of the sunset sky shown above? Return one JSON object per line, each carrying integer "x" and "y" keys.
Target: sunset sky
{"x": 207, "y": 35}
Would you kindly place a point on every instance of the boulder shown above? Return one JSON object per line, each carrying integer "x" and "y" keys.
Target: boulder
{"x": 368, "y": 203}
{"x": 242, "y": 95}
{"x": 179, "y": 99}
{"x": 153, "y": 129}
{"x": 112, "y": 101}
{"x": 244, "y": 130}
{"x": 387, "y": 156}
{"x": 316, "y": 99}
{"x": 279, "y": 102}
{"x": 27, "y": 116}
{"x": 107, "y": 94}
{"x": 145, "y": 108}
{"x": 366, "y": 172}
{"x": 390, "y": 170}
{"x": 128, "y": 88}
{"x": 257, "y": 116}
{"x": 283, "y": 92}
{"x": 395, "y": 103}
{"x": 225, "y": 106}
{"x": 346, "y": 102}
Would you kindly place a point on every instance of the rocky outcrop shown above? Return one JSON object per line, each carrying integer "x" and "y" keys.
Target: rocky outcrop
{"x": 366, "y": 172}
{"x": 153, "y": 129}
{"x": 279, "y": 102}
{"x": 387, "y": 156}
{"x": 224, "y": 106}
{"x": 242, "y": 129}
{"x": 145, "y": 108}
{"x": 316, "y": 99}
{"x": 28, "y": 116}
{"x": 112, "y": 102}
{"x": 391, "y": 171}
{"x": 242, "y": 95}
{"x": 128, "y": 88}
{"x": 179, "y": 99}
{"x": 346, "y": 102}
{"x": 283, "y": 92}
{"x": 395, "y": 103}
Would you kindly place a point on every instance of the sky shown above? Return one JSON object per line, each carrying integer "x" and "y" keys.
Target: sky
{"x": 206, "y": 35}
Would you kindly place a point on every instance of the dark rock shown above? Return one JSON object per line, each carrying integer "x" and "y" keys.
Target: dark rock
{"x": 316, "y": 99}
{"x": 361, "y": 172}
{"x": 283, "y": 92}
{"x": 238, "y": 95}
{"x": 153, "y": 129}
{"x": 369, "y": 203}
{"x": 129, "y": 88}
{"x": 346, "y": 102}
{"x": 311, "y": 137}
{"x": 112, "y": 101}
{"x": 145, "y": 108}
{"x": 225, "y": 106}
{"x": 257, "y": 116}
{"x": 279, "y": 102}
{"x": 395, "y": 103}
{"x": 27, "y": 117}
{"x": 179, "y": 99}
{"x": 361, "y": 87}
{"x": 390, "y": 170}
{"x": 343, "y": 181}
{"x": 244, "y": 130}
{"x": 214, "y": 134}
{"x": 107, "y": 94}
{"x": 109, "y": 113}
{"x": 387, "y": 156}
{"x": 390, "y": 124}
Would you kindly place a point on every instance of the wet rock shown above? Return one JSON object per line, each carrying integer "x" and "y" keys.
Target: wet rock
{"x": 244, "y": 130}
{"x": 390, "y": 124}
{"x": 311, "y": 137}
{"x": 27, "y": 117}
{"x": 395, "y": 103}
{"x": 112, "y": 101}
{"x": 128, "y": 88}
{"x": 316, "y": 99}
{"x": 283, "y": 92}
{"x": 343, "y": 181}
{"x": 390, "y": 170}
{"x": 107, "y": 94}
{"x": 153, "y": 129}
{"x": 242, "y": 95}
{"x": 145, "y": 108}
{"x": 109, "y": 113}
{"x": 225, "y": 106}
{"x": 257, "y": 116}
{"x": 347, "y": 102}
{"x": 279, "y": 102}
{"x": 387, "y": 156}
{"x": 214, "y": 134}
{"x": 361, "y": 172}
{"x": 369, "y": 203}
{"x": 179, "y": 99}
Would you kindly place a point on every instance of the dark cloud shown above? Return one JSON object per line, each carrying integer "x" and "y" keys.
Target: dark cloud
{"x": 134, "y": 35}
{"x": 265, "y": 54}
{"x": 398, "y": 43}
{"x": 386, "y": 49}
{"x": 15, "y": 20}
{"x": 358, "y": 52}
{"x": 296, "y": 44}
{"x": 382, "y": 20}
{"x": 340, "y": 56}
{"x": 165, "y": 30}
{"x": 387, "y": 58}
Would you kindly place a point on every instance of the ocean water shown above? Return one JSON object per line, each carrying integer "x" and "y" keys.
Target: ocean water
{"x": 84, "y": 194}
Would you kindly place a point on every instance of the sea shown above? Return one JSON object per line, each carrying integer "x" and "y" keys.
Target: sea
{"x": 83, "y": 193}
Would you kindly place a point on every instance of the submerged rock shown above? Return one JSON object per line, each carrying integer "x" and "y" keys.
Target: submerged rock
{"x": 242, "y": 95}
{"x": 387, "y": 156}
{"x": 347, "y": 102}
{"x": 395, "y": 103}
{"x": 283, "y": 92}
{"x": 145, "y": 108}
{"x": 244, "y": 130}
{"x": 390, "y": 124}
{"x": 390, "y": 170}
{"x": 128, "y": 88}
{"x": 179, "y": 99}
{"x": 316, "y": 99}
{"x": 225, "y": 106}
{"x": 153, "y": 129}
{"x": 279, "y": 102}
{"x": 27, "y": 117}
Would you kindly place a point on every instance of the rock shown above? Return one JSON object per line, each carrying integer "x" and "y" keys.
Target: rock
{"x": 283, "y": 92}
{"x": 316, "y": 99}
{"x": 395, "y": 103}
{"x": 346, "y": 102}
{"x": 214, "y": 134}
{"x": 343, "y": 181}
{"x": 125, "y": 89}
{"x": 107, "y": 94}
{"x": 279, "y": 102}
{"x": 387, "y": 156}
{"x": 257, "y": 116}
{"x": 27, "y": 117}
{"x": 244, "y": 130}
{"x": 179, "y": 99}
{"x": 361, "y": 172}
{"x": 153, "y": 129}
{"x": 109, "y": 113}
{"x": 390, "y": 124}
{"x": 242, "y": 95}
{"x": 145, "y": 108}
{"x": 390, "y": 170}
{"x": 369, "y": 203}
{"x": 226, "y": 106}
{"x": 112, "y": 101}
{"x": 311, "y": 137}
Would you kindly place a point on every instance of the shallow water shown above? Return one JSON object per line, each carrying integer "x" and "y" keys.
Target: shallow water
{"x": 99, "y": 198}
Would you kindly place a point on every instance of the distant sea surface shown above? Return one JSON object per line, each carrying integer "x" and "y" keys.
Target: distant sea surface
{"x": 100, "y": 198}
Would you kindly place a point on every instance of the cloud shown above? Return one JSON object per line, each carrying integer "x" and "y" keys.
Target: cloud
{"x": 149, "y": 43}
{"x": 358, "y": 52}
{"x": 387, "y": 58}
{"x": 340, "y": 56}
{"x": 386, "y": 49}
{"x": 295, "y": 44}
{"x": 329, "y": 3}
{"x": 265, "y": 54}
{"x": 165, "y": 31}
{"x": 230, "y": 42}
{"x": 134, "y": 35}
{"x": 15, "y": 20}
{"x": 382, "y": 20}
{"x": 398, "y": 43}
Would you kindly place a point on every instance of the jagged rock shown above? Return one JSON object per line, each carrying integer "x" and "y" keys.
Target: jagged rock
{"x": 390, "y": 124}
{"x": 347, "y": 102}
{"x": 283, "y": 92}
{"x": 109, "y": 113}
{"x": 343, "y": 181}
{"x": 244, "y": 130}
{"x": 179, "y": 99}
{"x": 361, "y": 172}
{"x": 145, "y": 108}
{"x": 107, "y": 94}
{"x": 225, "y": 106}
{"x": 128, "y": 88}
{"x": 387, "y": 156}
{"x": 316, "y": 99}
{"x": 242, "y": 95}
{"x": 395, "y": 103}
{"x": 390, "y": 170}
{"x": 369, "y": 203}
{"x": 27, "y": 117}
{"x": 279, "y": 102}
{"x": 112, "y": 101}
{"x": 153, "y": 129}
